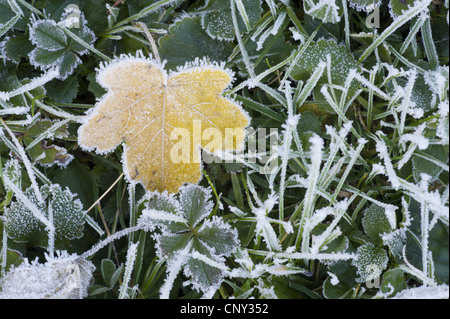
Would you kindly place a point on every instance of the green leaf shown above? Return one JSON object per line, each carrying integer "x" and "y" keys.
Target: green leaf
{"x": 68, "y": 63}
{"x": 346, "y": 274}
{"x": 45, "y": 59}
{"x": 46, "y": 35}
{"x": 195, "y": 43}
{"x": 218, "y": 236}
{"x": 423, "y": 165}
{"x": 218, "y": 22}
{"x": 77, "y": 177}
{"x": 309, "y": 122}
{"x": 68, "y": 217}
{"x": 171, "y": 243}
{"x": 18, "y": 47}
{"x": 376, "y": 223}
{"x": 195, "y": 203}
{"x": 94, "y": 87}
{"x": 13, "y": 258}
{"x": 397, "y": 6}
{"x": 342, "y": 61}
{"x": 393, "y": 278}
{"x": 327, "y": 11}
{"x": 371, "y": 261}
{"x": 204, "y": 276}
{"x": 97, "y": 290}
{"x": 115, "y": 276}
{"x": 108, "y": 269}
{"x": 63, "y": 91}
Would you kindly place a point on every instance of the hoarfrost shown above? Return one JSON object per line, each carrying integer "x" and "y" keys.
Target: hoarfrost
{"x": 62, "y": 277}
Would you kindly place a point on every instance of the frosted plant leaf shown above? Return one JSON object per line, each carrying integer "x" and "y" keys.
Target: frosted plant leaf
{"x": 187, "y": 232}
{"x": 341, "y": 61}
{"x": 364, "y": 5}
{"x": 396, "y": 7}
{"x": 376, "y": 222}
{"x": 443, "y": 127}
{"x": 329, "y": 11}
{"x": 36, "y": 140}
{"x": 438, "y": 80}
{"x": 67, "y": 215}
{"x": 195, "y": 203}
{"x": 370, "y": 262}
{"x": 45, "y": 34}
{"x": 217, "y": 18}
{"x": 54, "y": 49}
{"x": 424, "y": 292}
{"x": 12, "y": 170}
{"x": 148, "y": 110}
{"x": 63, "y": 277}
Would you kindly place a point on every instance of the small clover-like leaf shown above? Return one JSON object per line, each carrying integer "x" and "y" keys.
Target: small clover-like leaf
{"x": 66, "y": 210}
{"x": 195, "y": 203}
{"x": 54, "y": 49}
{"x": 45, "y": 34}
{"x": 149, "y": 110}
{"x": 187, "y": 232}
{"x": 218, "y": 236}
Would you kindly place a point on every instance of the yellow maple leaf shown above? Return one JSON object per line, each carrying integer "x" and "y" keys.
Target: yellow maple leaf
{"x": 159, "y": 115}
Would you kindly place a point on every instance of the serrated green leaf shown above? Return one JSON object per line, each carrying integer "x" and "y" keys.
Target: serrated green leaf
{"x": 222, "y": 239}
{"x": 189, "y": 35}
{"x": 423, "y": 165}
{"x": 218, "y": 22}
{"x": 171, "y": 243}
{"x": 68, "y": 63}
{"x": 194, "y": 201}
{"x": 68, "y": 218}
{"x": 203, "y": 275}
{"x": 327, "y": 11}
{"x": 63, "y": 91}
{"x": 46, "y": 35}
{"x": 44, "y": 58}
{"x": 342, "y": 61}
{"x": 397, "y": 6}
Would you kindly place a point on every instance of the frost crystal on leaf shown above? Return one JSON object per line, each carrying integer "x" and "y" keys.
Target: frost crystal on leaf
{"x": 188, "y": 239}
{"x": 62, "y": 277}
{"x": 61, "y": 207}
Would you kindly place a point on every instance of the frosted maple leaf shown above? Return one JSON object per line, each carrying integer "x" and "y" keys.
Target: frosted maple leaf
{"x": 145, "y": 104}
